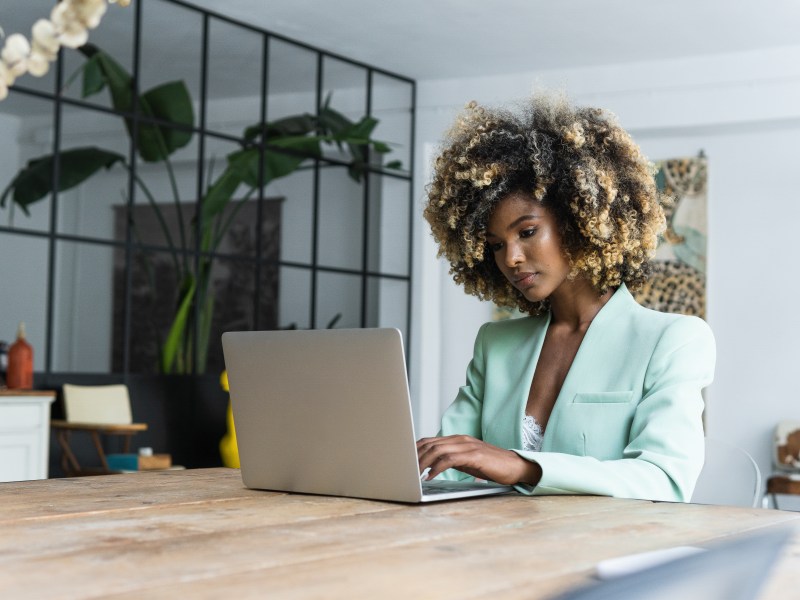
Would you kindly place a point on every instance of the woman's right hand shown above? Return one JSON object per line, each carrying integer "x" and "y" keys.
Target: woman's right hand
{"x": 477, "y": 458}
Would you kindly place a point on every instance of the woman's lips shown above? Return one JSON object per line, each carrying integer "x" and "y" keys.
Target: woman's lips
{"x": 524, "y": 280}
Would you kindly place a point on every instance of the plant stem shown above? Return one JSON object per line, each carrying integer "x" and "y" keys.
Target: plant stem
{"x": 229, "y": 221}
{"x": 178, "y": 207}
{"x": 161, "y": 221}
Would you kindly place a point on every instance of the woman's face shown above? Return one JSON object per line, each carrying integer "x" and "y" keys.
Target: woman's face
{"x": 523, "y": 236}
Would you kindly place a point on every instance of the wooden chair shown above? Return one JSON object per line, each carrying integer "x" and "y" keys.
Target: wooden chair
{"x": 102, "y": 410}
{"x": 786, "y": 462}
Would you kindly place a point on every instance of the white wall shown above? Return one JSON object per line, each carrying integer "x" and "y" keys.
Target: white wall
{"x": 743, "y": 111}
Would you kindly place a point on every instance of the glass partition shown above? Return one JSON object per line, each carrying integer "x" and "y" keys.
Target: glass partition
{"x": 201, "y": 175}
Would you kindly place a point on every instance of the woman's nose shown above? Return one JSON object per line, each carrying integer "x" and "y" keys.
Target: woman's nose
{"x": 513, "y": 255}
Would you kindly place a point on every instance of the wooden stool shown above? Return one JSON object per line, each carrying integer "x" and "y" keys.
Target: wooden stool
{"x": 782, "y": 484}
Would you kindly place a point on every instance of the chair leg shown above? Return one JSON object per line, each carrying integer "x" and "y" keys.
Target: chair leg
{"x": 69, "y": 463}
{"x": 99, "y": 447}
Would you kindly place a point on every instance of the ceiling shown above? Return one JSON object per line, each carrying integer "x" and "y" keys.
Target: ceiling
{"x": 433, "y": 39}
{"x": 420, "y": 39}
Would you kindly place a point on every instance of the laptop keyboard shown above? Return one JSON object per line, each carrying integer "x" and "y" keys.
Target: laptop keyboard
{"x": 447, "y": 487}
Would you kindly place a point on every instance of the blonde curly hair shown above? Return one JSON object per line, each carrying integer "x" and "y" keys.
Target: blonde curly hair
{"x": 577, "y": 161}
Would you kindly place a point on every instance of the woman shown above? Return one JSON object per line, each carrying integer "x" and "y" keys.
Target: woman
{"x": 555, "y": 211}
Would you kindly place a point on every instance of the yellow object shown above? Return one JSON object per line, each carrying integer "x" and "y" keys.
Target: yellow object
{"x": 227, "y": 445}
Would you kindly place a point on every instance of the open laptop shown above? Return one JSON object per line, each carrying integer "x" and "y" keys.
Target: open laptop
{"x": 735, "y": 569}
{"x": 328, "y": 412}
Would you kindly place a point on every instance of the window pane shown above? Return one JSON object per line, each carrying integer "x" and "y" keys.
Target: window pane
{"x": 345, "y": 91}
{"x": 390, "y": 228}
{"x": 392, "y": 102}
{"x": 292, "y": 80}
{"x": 23, "y": 291}
{"x": 88, "y": 208}
{"x": 388, "y": 304}
{"x": 82, "y": 304}
{"x": 294, "y": 308}
{"x": 339, "y": 299}
{"x": 340, "y": 228}
{"x": 26, "y": 126}
{"x": 297, "y": 192}
{"x": 235, "y": 65}
{"x": 171, "y": 46}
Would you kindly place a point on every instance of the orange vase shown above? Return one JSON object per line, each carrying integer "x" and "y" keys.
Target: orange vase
{"x": 19, "y": 375}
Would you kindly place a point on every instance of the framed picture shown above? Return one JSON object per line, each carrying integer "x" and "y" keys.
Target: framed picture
{"x": 678, "y": 283}
{"x": 155, "y": 286}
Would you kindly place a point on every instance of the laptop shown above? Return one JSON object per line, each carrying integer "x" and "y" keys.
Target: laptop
{"x": 735, "y": 569}
{"x": 328, "y": 412}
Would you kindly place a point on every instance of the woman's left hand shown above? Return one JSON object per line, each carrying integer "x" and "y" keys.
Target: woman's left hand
{"x": 477, "y": 458}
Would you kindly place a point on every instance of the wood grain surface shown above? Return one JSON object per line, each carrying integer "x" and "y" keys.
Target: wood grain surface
{"x": 201, "y": 534}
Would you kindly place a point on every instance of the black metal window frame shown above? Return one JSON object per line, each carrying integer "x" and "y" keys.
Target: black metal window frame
{"x": 53, "y": 236}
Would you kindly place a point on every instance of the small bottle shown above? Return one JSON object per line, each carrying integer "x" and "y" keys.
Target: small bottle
{"x": 20, "y": 363}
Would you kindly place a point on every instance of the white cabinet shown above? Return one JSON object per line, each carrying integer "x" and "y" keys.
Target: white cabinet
{"x": 24, "y": 434}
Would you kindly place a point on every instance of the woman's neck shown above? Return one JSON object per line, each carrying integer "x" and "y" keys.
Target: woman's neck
{"x": 576, "y": 303}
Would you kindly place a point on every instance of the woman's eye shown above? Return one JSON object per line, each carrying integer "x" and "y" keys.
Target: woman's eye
{"x": 495, "y": 247}
{"x": 526, "y": 233}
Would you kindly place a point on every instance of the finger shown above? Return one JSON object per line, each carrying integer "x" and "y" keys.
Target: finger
{"x": 427, "y": 454}
{"x": 436, "y": 446}
{"x": 427, "y": 445}
{"x": 435, "y": 439}
{"x": 430, "y": 451}
{"x": 450, "y": 455}
{"x": 423, "y": 442}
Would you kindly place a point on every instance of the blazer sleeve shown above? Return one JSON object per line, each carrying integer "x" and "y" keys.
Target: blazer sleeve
{"x": 463, "y": 416}
{"x": 665, "y": 450}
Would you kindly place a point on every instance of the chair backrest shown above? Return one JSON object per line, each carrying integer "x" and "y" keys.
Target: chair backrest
{"x": 730, "y": 476}
{"x": 97, "y": 404}
{"x": 786, "y": 446}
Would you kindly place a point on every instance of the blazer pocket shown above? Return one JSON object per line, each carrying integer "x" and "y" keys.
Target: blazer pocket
{"x": 602, "y": 397}
{"x": 598, "y": 424}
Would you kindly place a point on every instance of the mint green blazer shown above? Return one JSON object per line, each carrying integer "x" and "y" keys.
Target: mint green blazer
{"x": 628, "y": 419}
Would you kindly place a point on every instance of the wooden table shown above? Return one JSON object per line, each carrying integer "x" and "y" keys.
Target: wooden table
{"x": 201, "y": 534}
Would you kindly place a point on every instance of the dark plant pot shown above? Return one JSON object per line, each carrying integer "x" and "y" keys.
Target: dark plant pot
{"x": 185, "y": 415}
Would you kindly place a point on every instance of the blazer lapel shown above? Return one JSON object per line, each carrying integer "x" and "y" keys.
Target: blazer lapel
{"x": 518, "y": 394}
{"x": 600, "y": 339}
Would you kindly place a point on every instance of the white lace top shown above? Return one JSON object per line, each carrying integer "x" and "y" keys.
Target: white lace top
{"x": 532, "y": 434}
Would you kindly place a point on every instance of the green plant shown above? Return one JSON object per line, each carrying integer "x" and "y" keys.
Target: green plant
{"x": 270, "y": 150}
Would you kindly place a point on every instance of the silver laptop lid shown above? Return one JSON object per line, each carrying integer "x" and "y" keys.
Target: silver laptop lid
{"x": 734, "y": 569}
{"x": 323, "y": 412}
